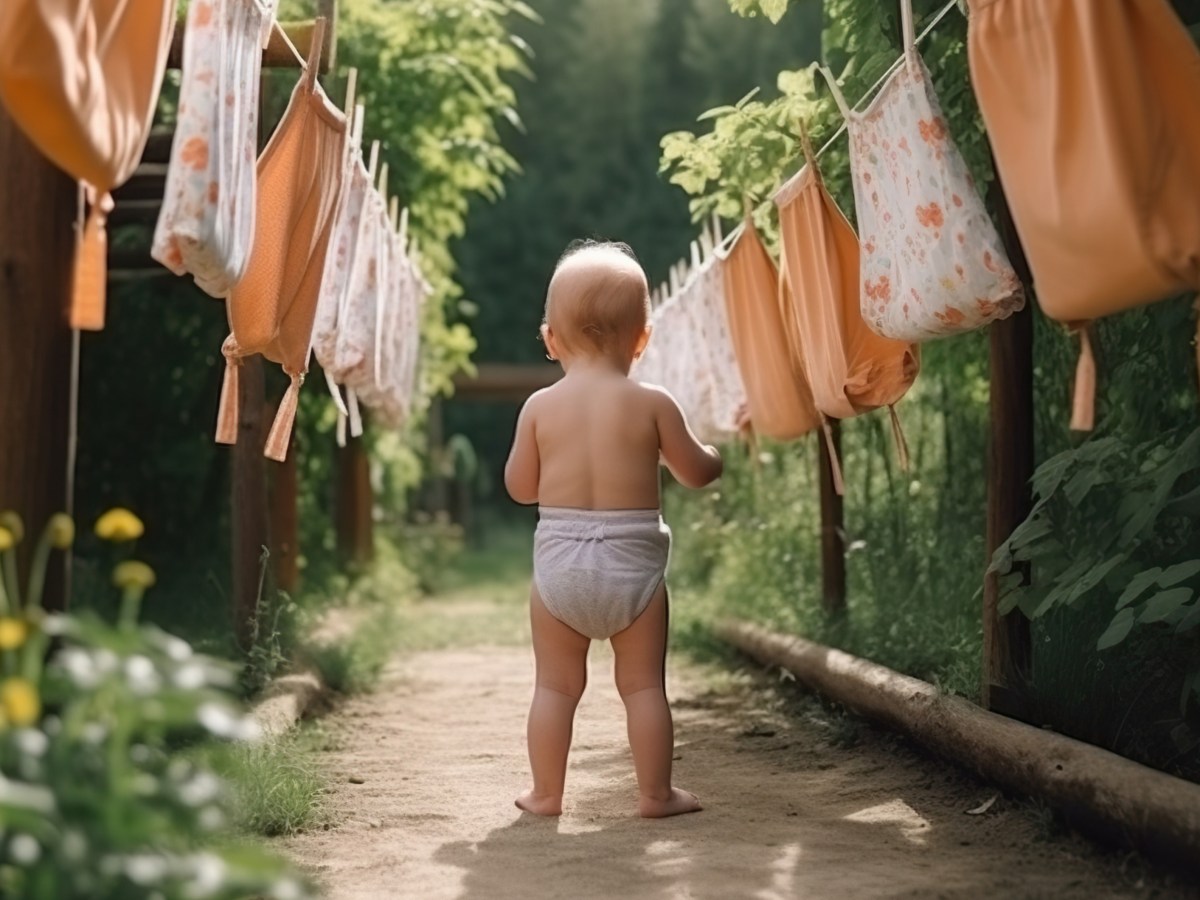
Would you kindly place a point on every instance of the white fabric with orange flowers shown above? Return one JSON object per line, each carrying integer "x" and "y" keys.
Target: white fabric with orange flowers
{"x": 206, "y": 226}
{"x": 932, "y": 263}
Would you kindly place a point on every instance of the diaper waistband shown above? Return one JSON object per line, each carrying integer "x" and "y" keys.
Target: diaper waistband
{"x": 598, "y": 524}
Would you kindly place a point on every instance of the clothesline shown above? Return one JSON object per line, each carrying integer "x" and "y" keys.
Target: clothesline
{"x": 933, "y": 23}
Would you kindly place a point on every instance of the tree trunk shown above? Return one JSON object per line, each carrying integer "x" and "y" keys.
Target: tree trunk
{"x": 37, "y": 214}
{"x": 1108, "y": 796}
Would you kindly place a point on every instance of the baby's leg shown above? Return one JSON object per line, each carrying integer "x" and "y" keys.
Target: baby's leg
{"x": 641, "y": 651}
{"x": 561, "y": 661}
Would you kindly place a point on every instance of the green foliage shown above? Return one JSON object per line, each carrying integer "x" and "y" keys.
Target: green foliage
{"x": 99, "y": 803}
{"x": 354, "y": 664}
{"x": 276, "y": 786}
{"x": 1148, "y": 496}
{"x": 753, "y": 146}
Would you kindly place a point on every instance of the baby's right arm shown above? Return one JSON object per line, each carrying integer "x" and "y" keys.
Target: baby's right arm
{"x": 692, "y": 463}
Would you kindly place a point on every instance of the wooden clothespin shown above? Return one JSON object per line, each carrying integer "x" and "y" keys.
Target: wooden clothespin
{"x": 383, "y": 178}
{"x": 716, "y": 225}
{"x": 394, "y": 211}
{"x": 706, "y": 241}
{"x": 351, "y": 87}
{"x": 696, "y": 258}
{"x": 373, "y": 168}
{"x": 404, "y": 226}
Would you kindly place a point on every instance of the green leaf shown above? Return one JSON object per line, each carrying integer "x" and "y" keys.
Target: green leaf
{"x": 1138, "y": 585}
{"x": 1177, "y": 573}
{"x": 1190, "y": 620}
{"x": 1118, "y": 629}
{"x": 774, "y": 9}
{"x": 1162, "y": 604}
{"x": 1081, "y": 484}
{"x": 1093, "y": 577}
{"x": 716, "y": 112}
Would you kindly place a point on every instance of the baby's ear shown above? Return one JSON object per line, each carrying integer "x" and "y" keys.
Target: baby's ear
{"x": 643, "y": 340}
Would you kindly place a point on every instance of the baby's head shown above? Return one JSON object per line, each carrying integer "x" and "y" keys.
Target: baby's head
{"x": 598, "y": 304}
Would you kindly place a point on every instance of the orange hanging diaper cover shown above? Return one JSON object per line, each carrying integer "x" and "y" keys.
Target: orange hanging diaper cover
{"x": 777, "y": 390}
{"x": 273, "y": 307}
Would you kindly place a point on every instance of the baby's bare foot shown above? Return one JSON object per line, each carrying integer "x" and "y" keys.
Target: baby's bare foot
{"x": 678, "y": 803}
{"x": 540, "y": 806}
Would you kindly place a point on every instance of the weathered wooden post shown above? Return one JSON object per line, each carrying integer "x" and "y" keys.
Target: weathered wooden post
{"x": 37, "y": 215}
{"x": 833, "y": 545}
{"x": 354, "y": 502}
{"x": 285, "y": 523}
{"x": 1007, "y": 645}
{"x": 248, "y": 499}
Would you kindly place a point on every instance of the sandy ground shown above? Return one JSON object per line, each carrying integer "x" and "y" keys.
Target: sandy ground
{"x": 799, "y": 802}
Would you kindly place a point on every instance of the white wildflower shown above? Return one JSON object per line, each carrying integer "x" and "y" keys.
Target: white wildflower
{"x": 32, "y": 742}
{"x": 145, "y": 868}
{"x": 80, "y": 667}
{"x": 200, "y": 789}
{"x": 142, "y": 677}
{"x": 24, "y": 849}
{"x": 189, "y": 677}
{"x": 73, "y": 846}
{"x": 208, "y": 875}
{"x": 218, "y": 719}
{"x": 286, "y": 889}
{"x": 94, "y": 733}
{"x": 211, "y": 818}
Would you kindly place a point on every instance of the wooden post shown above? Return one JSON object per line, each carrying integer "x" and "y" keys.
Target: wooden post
{"x": 439, "y": 496}
{"x": 833, "y": 546}
{"x": 1007, "y": 644}
{"x": 249, "y": 499}
{"x": 285, "y": 523}
{"x": 37, "y": 214}
{"x": 355, "y": 527}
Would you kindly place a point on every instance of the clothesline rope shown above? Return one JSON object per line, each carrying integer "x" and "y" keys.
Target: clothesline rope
{"x": 933, "y": 23}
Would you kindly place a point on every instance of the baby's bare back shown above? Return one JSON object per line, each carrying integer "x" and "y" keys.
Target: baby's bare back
{"x": 598, "y": 443}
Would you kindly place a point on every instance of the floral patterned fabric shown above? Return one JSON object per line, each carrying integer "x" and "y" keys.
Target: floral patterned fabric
{"x": 932, "y": 263}
{"x": 691, "y": 355}
{"x": 206, "y": 226}
{"x": 343, "y": 251}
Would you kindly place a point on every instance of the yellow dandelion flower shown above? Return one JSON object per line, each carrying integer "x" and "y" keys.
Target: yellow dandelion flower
{"x": 133, "y": 574}
{"x": 20, "y": 701}
{"x": 10, "y": 521}
{"x": 7, "y": 541}
{"x": 119, "y": 525}
{"x": 61, "y": 530}
{"x": 13, "y": 633}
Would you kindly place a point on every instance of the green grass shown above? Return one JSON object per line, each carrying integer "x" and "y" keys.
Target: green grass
{"x": 277, "y": 787}
{"x": 354, "y": 665}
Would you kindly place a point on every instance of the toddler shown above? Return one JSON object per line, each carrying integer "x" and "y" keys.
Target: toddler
{"x": 587, "y": 451}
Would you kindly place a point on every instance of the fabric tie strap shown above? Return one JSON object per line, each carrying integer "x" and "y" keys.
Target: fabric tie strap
{"x": 1083, "y": 407}
{"x": 835, "y": 464}
{"x": 898, "y": 436}
{"x": 227, "y": 412}
{"x": 90, "y": 277}
{"x": 285, "y": 420}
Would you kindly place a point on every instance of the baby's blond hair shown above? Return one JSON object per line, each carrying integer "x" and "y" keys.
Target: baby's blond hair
{"x": 598, "y": 299}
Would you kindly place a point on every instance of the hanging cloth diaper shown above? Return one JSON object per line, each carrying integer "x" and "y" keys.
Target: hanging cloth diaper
{"x": 206, "y": 226}
{"x": 724, "y": 392}
{"x": 273, "y": 307}
{"x": 777, "y": 391}
{"x": 81, "y": 79}
{"x": 1093, "y": 112}
{"x": 850, "y": 368}
{"x": 932, "y": 263}
{"x": 357, "y": 355}
{"x": 343, "y": 249}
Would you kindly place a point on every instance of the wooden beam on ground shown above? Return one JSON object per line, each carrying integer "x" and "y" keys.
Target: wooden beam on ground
{"x": 248, "y": 498}
{"x": 1007, "y": 643}
{"x": 354, "y": 504}
{"x": 504, "y": 382}
{"x": 37, "y": 215}
{"x": 833, "y": 545}
{"x": 1106, "y": 795}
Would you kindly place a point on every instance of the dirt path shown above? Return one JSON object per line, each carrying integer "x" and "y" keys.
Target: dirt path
{"x": 799, "y": 803}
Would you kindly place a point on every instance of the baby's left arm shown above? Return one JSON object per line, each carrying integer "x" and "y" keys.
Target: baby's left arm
{"x": 523, "y": 469}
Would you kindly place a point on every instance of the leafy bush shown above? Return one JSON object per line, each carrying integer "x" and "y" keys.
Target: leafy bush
{"x": 98, "y": 798}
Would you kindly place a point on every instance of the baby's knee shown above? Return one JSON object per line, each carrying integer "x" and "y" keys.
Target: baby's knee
{"x": 571, "y": 686}
{"x": 629, "y": 684}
